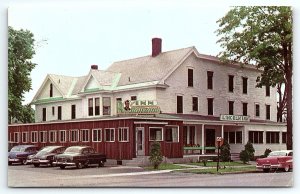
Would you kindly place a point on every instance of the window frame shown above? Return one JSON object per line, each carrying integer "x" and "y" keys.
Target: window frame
{"x": 245, "y": 113}
{"x": 93, "y": 134}
{"x": 73, "y": 111}
{"x": 114, "y": 134}
{"x": 255, "y": 108}
{"x": 121, "y": 134}
{"x": 283, "y": 133}
{"x": 195, "y": 103}
{"x": 55, "y": 136}
{"x": 210, "y": 80}
{"x": 65, "y": 136}
{"x": 171, "y": 127}
{"x": 210, "y": 110}
{"x": 268, "y": 90}
{"x": 108, "y": 107}
{"x": 231, "y": 83}
{"x": 26, "y": 137}
{"x": 179, "y": 109}
{"x": 59, "y": 113}
{"x": 18, "y": 137}
{"x": 231, "y": 107}
{"x": 36, "y": 137}
{"x": 268, "y": 112}
{"x": 271, "y": 139}
{"x": 44, "y": 114}
{"x": 70, "y": 135}
{"x": 44, "y": 134}
{"x": 190, "y": 77}
{"x": 258, "y": 136}
{"x": 162, "y": 133}
{"x": 245, "y": 85}
{"x": 82, "y": 131}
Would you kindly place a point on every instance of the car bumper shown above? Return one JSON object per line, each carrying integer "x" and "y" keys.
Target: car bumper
{"x": 40, "y": 161}
{"x": 261, "y": 167}
{"x": 14, "y": 160}
{"x": 64, "y": 163}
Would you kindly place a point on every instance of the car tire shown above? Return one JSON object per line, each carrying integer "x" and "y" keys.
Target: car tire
{"x": 266, "y": 170}
{"x": 101, "y": 164}
{"x": 286, "y": 168}
{"x": 62, "y": 167}
{"x": 9, "y": 163}
{"x": 24, "y": 162}
{"x": 36, "y": 165}
{"x": 79, "y": 165}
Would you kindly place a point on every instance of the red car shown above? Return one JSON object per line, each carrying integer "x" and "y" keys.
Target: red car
{"x": 276, "y": 160}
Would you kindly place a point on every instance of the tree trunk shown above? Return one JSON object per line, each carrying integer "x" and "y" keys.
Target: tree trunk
{"x": 289, "y": 106}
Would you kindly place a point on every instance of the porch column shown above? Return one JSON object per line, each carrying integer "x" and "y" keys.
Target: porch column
{"x": 222, "y": 131}
{"x": 202, "y": 139}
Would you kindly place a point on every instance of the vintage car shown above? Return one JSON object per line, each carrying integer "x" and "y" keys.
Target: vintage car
{"x": 46, "y": 155}
{"x": 19, "y": 153}
{"x": 276, "y": 160}
{"x": 79, "y": 156}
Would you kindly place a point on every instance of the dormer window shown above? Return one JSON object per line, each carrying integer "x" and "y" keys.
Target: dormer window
{"x": 51, "y": 90}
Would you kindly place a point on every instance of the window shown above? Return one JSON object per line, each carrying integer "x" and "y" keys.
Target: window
{"x": 34, "y": 136}
{"x": 210, "y": 106}
{"x": 179, "y": 104}
{"x": 257, "y": 111}
{"x": 155, "y": 134}
{"x": 195, "y": 103}
{"x": 119, "y": 99}
{"x": 233, "y": 137}
{"x": 238, "y": 137}
{"x": 256, "y": 137}
{"x": 109, "y": 135}
{"x": 51, "y": 90}
{"x": 123, "y": 134}
{"x": 73, "y": 111}
{"x": 90, "y": 106}
{"x": 245, "y": 85}
{"x": 62, "y": 136}
{"x": 172, "y": 134}
{"x": 230, "y": 107}
{"x": 74, "y": 135}
{"x": 267, "y": 90}
{"x": 133, "y": 98}
{"x": 43, "y": 136}
{"x": 272, "y": 137}
{"x": 230, "y": 83}
{"x": 245, "y": 107}
{"x": 52, "y": 136}
{"x": 97, "y": 106}
{"x": 84, "y": 135}
{"x": 190, "y": 77}
{"x": 97, "y": 135}
{"x": 210, "y": 80}
{"x": 283, "y": 138}
{"x": 24, "y": 137}
{"x": 53, "y": 110}
{"x": 192, "y": 134}
{"x": 59, "y": 113}
{"x": 44, "y": 114}
{"x": 106, "y": 105}
{"x": 16, "y": 137}
{"x": 268, "y": 109}
{"x": 184, "y": 135}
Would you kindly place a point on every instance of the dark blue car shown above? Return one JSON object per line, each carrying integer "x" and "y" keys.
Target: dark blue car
{"x": 19, "y": 153}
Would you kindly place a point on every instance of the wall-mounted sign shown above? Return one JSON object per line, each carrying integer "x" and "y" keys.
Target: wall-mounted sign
{"x": 138, "y": 107}
{"x": 234, "y": 118}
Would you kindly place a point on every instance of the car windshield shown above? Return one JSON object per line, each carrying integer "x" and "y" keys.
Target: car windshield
{"x": 17, "y": 149}
{"x": 46, "y": 150}
{"x": 277, "y": 154}
{"x": 73, "y": 150}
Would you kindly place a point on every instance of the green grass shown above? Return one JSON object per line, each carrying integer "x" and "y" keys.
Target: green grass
{"x": 222, "y": 164}
{"x": 165, "y": 166}
{"x": 221, "y": 171}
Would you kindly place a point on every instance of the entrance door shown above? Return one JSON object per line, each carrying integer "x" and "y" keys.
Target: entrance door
{"x": 140, "y": 141}
{"x": 210, "y": 139}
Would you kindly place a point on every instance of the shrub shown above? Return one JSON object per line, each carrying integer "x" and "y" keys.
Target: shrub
{"x": 244, "y": 156}
{"x": 250, "y": 149}
{"x": 155, "y": 155}
{"x": 225, "y": 152}
{"x": 267, "y": 152}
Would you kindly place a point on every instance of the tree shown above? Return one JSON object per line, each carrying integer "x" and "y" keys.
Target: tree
{"x": 250, "y": 149}
{"x": 20, "y": 53}
{"x": 225, "y": 152}
{"x": 244, "y": 156}
{"x": 155, "y": 155}
{"x": 262, "y": 36}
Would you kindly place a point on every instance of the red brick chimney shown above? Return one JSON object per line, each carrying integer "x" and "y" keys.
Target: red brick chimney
{"x": 156, "y": 46}
{"x": 95, "y": 67}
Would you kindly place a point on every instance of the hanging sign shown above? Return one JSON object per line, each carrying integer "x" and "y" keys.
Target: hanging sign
{"x": 234, "y": 118}
{"x": 138, "y": 107}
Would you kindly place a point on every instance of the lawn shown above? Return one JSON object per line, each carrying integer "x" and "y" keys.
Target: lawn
{"x": 221, "y": 171}
{"x": 165, "y": 166}
{"x": 222, "y": 164}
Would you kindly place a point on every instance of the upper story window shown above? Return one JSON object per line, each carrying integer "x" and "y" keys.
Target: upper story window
{"x": 44, "y": 114}
{"x": 59, "y": 113}
{"x": 210, "y": 106}
{"x": 267, "y": 90}
{"x": 73, "y": 111}
{"x": 190, "y": 77}
{"x": 53, "y": 110}
{"x": 230, "y": 83}
{"x": 195, "y": 103}
{"x": 230, "y": 107}
{"x": 179, "y": 104}
{"x": 51, "y": 90}
{"x": 268, "y": 112}
{"x": 93, "y": 106}
{"x": 133, "y": 98}
{"x": 106, "y": 105}
{"x": 97, "y": 106}
{"x": 210, "y": 79}
{"x": 245, "y": 109}
{"x": 245, "y": 85}
{"x": 257, "y": 110}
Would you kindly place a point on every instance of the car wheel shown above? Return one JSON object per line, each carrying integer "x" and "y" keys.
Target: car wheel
{"x": 287, "y": 168}
{"x": 51, "y": 164}
{"x": 101, "y": 164}
{"x": 266, "y": 170}
{"x": 24, "y": 162}
{"x": 36, "y": 165}
{"x": 9, "y": 163}
{"x": 62, "y": 167}
{"x": 79, "y": 165}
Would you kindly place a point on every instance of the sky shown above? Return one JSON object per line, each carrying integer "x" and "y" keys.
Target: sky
{"x": 71, "y": 38}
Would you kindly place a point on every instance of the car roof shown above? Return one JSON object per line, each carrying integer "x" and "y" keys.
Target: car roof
{"x": 79, "y": 147}
{"x": 25, "y": 146}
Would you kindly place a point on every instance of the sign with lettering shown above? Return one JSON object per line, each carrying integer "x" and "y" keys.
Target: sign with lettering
{"x": 138, "y": 107}
{"x": 234, "y": 118}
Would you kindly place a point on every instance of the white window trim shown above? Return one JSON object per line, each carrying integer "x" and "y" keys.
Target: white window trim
{"x": 256, "y": 103}
{"x": 103, "y": 106}
{"x": 55, "y": 136}
{"x": 162, "y": 133}
{"x": 81, "y": 135}
{"x": 26, "y": 140}
{"x": 44, "y": 136}
{"x": 37, "y": 136}
{"x": 98, "y": 130}
{"x": 119, "y": 129}
{"x": 94, "y": 106}
{"x": 70, "y": 135}
{"x": 113, "y": 133}
{"x": 59, "y": 136}
{"x": 18, "y": 138}
{"x": 177, "y": 133}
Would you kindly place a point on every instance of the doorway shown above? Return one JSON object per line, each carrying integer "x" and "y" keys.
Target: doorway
{"x": 210, "y": 139}
{"x": 140, "y": 141}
